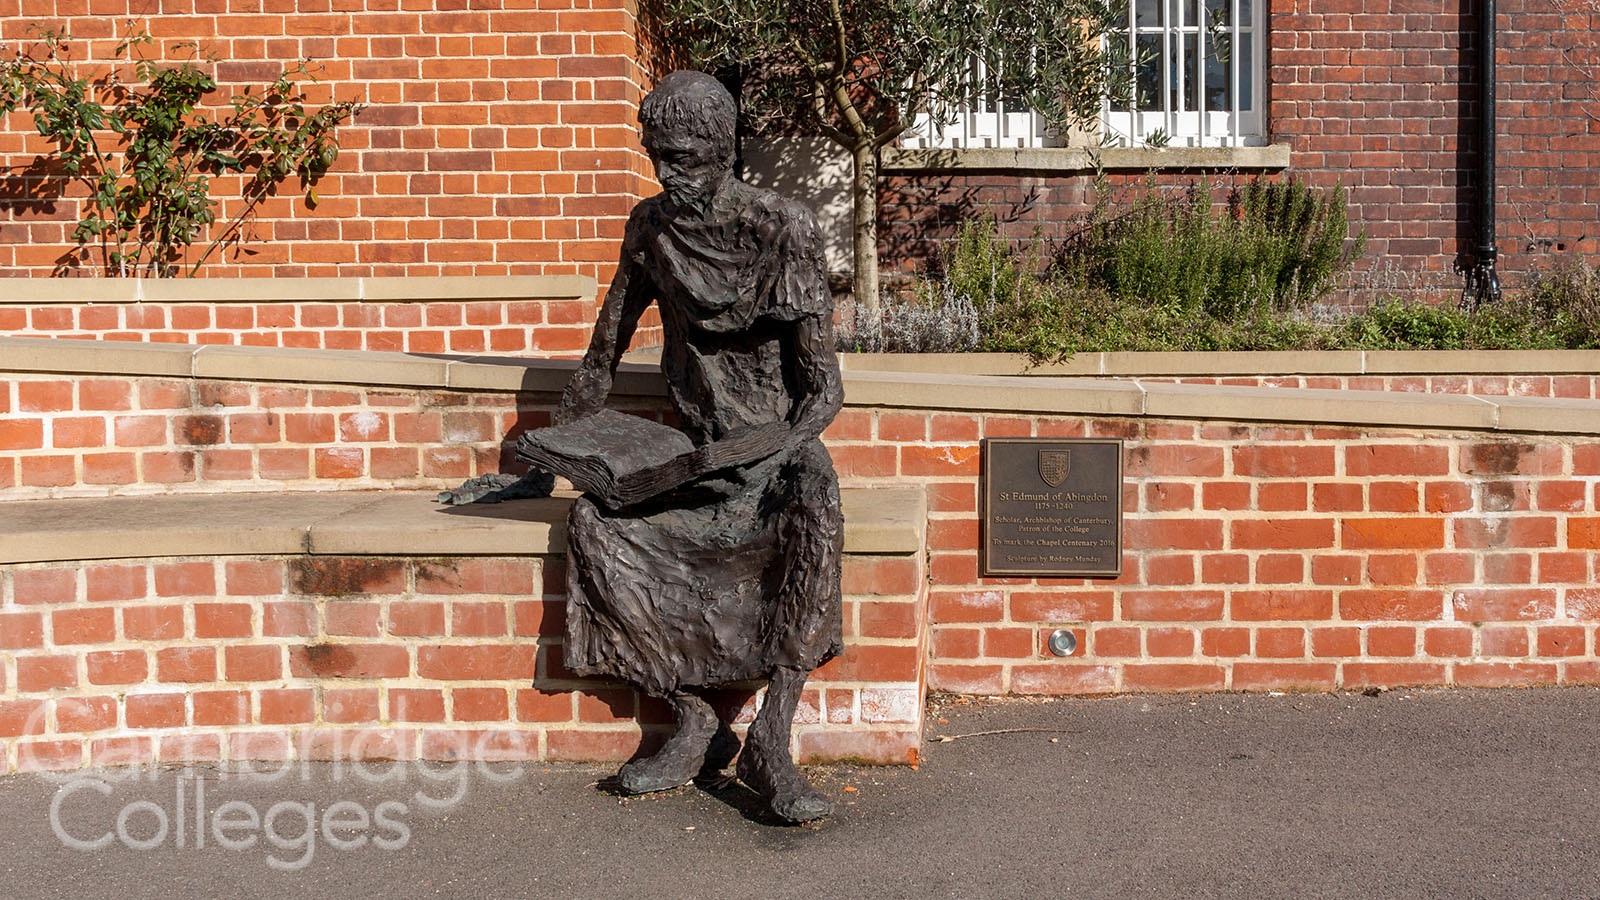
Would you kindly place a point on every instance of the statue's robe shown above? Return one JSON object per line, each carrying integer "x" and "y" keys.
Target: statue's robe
{"x": 737, "y": 572}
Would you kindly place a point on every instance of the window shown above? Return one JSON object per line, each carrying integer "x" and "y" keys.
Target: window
{"x": 1197, "y": 74}
{"x": 1183, "y": 51}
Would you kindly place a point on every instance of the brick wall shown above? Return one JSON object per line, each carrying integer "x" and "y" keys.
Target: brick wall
{"x": 1380, "y": 95}
{"x": 543, "y": 327}
{"x": 499, "y": 137}
{"x": 202, "y": 659}
{"x": 1267, "y": 557}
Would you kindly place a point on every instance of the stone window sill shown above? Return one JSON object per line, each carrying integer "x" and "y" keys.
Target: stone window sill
{"x": 1070, "y": 160}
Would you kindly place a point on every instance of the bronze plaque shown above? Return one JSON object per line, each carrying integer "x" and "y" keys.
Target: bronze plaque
{"x": 1052, "y": 507}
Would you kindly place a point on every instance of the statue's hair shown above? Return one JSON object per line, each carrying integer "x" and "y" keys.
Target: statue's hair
{"x": 693, "y": 102}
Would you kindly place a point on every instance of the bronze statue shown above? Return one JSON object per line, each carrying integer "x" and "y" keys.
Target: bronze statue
{"x": 727, "y": 569}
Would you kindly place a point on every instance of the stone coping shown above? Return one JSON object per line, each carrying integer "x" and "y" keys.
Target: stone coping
{"x": 1040, "y": 395}
{"x": 357, "y": 523}
{"x": 1072, "y": 160}
{"x": 1221, "y": 364}
{"x": 297, "y": 290}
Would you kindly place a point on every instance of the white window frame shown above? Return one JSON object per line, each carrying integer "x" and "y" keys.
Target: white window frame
{"x": 1184, "y": 127}
{"x": 989, "y": 122}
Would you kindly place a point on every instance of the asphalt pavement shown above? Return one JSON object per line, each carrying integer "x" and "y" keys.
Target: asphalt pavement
{"x": 1406, "y": 794}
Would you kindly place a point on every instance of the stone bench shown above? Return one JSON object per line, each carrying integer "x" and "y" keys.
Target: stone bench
{"x": 364, "y": 624}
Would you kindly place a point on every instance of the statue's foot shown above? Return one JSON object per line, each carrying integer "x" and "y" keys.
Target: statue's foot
{"x": 684, "y": 754}
{"x": 773, "y": 775}
{"x": 723, "y": 748}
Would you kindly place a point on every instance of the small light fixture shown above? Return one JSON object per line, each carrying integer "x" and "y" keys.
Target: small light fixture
{"x": 1063, "y": 642}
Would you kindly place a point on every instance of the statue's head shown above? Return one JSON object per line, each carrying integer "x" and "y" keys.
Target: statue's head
{"x": 688, "y": 123}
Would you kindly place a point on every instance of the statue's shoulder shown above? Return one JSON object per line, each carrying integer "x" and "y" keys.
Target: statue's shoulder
{"x": 771, "y": 210}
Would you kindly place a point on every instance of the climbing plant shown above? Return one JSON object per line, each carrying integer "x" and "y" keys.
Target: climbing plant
{"x": 142, "y": 148}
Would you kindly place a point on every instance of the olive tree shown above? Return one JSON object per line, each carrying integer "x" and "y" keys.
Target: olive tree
{"x": 859, "y": 71}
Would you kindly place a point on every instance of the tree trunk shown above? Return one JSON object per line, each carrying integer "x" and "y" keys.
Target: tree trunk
{"x": 865, "y": 232}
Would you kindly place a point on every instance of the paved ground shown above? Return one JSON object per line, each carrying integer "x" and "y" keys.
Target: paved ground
{"x": 1409, "y": 794}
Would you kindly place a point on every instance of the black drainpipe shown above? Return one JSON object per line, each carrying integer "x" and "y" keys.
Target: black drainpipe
{"x": 1483, "y": 282}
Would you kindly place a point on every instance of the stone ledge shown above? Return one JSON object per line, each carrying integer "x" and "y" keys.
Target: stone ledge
{"x": 1072, "y": 160}
{"x": 912, "y": 385}
{"x": 366, "y": 523}
{"x": 296, "y": 290}
{"x": 1237, "y": 363}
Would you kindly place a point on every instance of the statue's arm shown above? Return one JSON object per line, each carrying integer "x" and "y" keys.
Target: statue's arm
{"x": 821, "y": 386}
{"x": 625, "y": 302}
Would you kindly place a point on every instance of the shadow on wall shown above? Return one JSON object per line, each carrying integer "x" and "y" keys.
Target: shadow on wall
{"x": 814, "y": 171}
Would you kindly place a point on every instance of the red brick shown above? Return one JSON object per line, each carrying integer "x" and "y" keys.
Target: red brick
{"x": 1563, "y": 568}
{"x": 1391, "y": 640}
{"x": 878, "y": 620}
{"x": 151, "y": 623}
{"x": 21, "y": 434}
{"x": 539, "y": 706}
{"x": 253, "y": 663}
{"x": 253, "y": 577}
{"x": 1447, "y": 642}
{"x": 351, "y": 706}
{"x": 186, "y": 664}
{"x": 1063, "y": 679}
{"x": 1169, "y": 570}
{"x": 39, "y": 586}
{"x": 221, "y": 707}
{"x": 1281, "y": 534}
{"x": 1279, "y": 568}
{"x": 339, "y": 576}
{"x": 1504, "y": 674}
{"x": 468, "y": 575}
{"x": 155, "y": 711}
{"x": 1225, "y": 495}
{"x": 1281, "y": 643}
{"x": 1331, "y": 497}
{"x": 1224, "y": 568}
{"x": 883, "y": 576}
{"x": 1280, "y": 676}
{"x": 1381, "y": 605}
{"x": 1446, "y": 496}
{"x": 1173, "y": 534}
{"x": 1503, "y": 641}
{"x": 288, "y": 619}
{"x": 957, "y": 643}
{"x": 476, "y": 662}
{"x": 1503, "y": 604}
{"x": 1282, "y": 461}
{"x": 416, "y": 705}
{"x": 1008, "y": 643}
{"x": 21, "y": 717}
{"x": 1161, "y": 677}
{"x": 1392, "y": 568}
{"x": 116, "y": 666}
{"x": 1281, "y": 605}
{"x": 1172, "y": 606}
{"x": 290, "y": 706}
{"x": 349, "y": 661}
{"x": 1116, "y": 641}
{"x": 1507, "y": 458}
{"x": 46, "y": 673}
{"x": 97, "y": 625}
{"x": 1389, "y": 675}
{"x": 866, "y": 662}
{"x": 1392, "y": 534}
{"x": 1053, "y": 606}
{"x": 21, "y": 630}
{"x": 1223, "y": 641}
{"x": 48, "y": 471}
{"x": 479, "y": 705}
{"x": 191, "y": 579}
{"x": 351, "y": 618}
{"x": 1583, "y": 533}
{"x": 1182, "y": 459}
{"x": 1562, "y": 640}
{"x": 44, "y": 396}
{"x": 1338, "y": 640}
{"x": 949, "y": 460}
{"x": 1168, "y": 642}
{"x": 966, "y": 679}
{"x": 222, "y": 620}
{"x": 1396, "y": 459}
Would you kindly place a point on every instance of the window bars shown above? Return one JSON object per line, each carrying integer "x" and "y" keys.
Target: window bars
{"x": 1198, "y": 81}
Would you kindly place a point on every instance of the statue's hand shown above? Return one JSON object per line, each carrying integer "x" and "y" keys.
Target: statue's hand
{"x": 495, "y": 487}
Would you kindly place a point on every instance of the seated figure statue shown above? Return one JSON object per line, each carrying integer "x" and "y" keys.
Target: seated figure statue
{"x": 733, "y": 576}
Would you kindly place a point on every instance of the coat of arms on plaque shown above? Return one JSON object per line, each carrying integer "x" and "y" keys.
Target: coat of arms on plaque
{"x": 1053, "y": 465}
